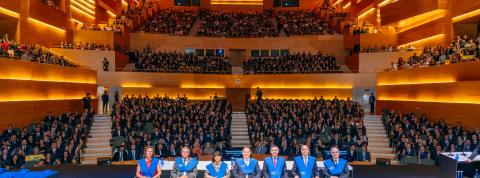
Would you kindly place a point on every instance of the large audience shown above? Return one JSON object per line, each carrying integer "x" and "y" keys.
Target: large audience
{"x": 421, "y": 138}
{"x": 292, "y": 63}
{"x": 158, "y": 61}
{"x": 168, "y": 124}
{"x": 55, "y": 140}
{"x": 173, "y": 22}
{"x": 319, "y": 123}
{"x": 30, "y": 52}
{"x": 302, "y": 22}
{"x": 462, "y": 49}
{"x": 84, "y": 46}
{"x": 239, "y": 25}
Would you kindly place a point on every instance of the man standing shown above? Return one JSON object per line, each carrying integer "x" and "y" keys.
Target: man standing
{"x": 246, "y": 167}
{"x": 105, "y": 100}
{"x": 336, "y": 167}
{"x": 106, "y": 64}
{"x": 372, "y": 101}
{"x": 86, "y": 100}
{"x": 305, "y": 165}
{"x": 185, "y": 166}
{"x": 274, "y": 166}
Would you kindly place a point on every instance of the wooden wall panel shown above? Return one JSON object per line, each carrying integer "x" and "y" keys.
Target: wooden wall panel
{"x": 22, "y": 113}
{"x": 89, "y": 58}
{"x": 445, "y": 73}
{"x": 378, "y": 39}
{"x": 459, "y": 7}
{"x": 31, "y": 32}
{"x": 12, "y": 5}
{"x": 426, "y": 30}
{"x": 47, "y": 14}
{"x": 403, "y": 9}
{"x": 327, "y": 44}
{"x": 26, "y": 90}
{"x": 467, "y": 114}
{"x": 45, "y": 72}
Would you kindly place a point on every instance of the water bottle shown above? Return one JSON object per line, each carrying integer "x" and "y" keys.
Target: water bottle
{"x": 461, "y": 174}
{"x": 458, "y": 174}
{"x": 476, "y": 174}
{"x": 457, "y": 157}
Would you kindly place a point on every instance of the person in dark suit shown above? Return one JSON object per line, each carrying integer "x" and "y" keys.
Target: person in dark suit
{"x": 474, "y": 154}
{"x": 105, "y": 99}
{"x": 121, "y": 154}
{"x": 364, "y": 155}
{"x": 336, "y": 141}
{"x": 246, "y": 167}
{"x": 372, "y": 101}
{"x": 25, "y": 147}
{"x": 118, "y": 132}
{"x": 9, "y": 132}
{"x": 274, "y": 166}
{"x": 336, "y": 167}
{"x": 467, "y": 146}
{"x": 86, "y": 100}
{"x": 55, "y": 151}
{"x": 133, "y": 153}
{"x": 305, "y": 165}
{"x": 185, "y": 166}
{"x": 352, "y": 154}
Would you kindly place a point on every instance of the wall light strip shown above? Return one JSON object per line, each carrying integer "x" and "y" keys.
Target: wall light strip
{"x": 338, "y": 1}
{"x": 366, "y": 13}
{"x": 75, "y": 20}
{"x": 42, "y": 99}
{"x": 90, "y": 1}
{"x": 46, "y": 24}
{"x": 422, "y": 40}
{"x": 466, "y": 15}
{"x": 85, "y": 3}
{"x": 83, "y": 8}
{"x": 416, "y": 83}
{"x": 111, "y": 14}
{"x": 124, "y": 3}
{"x": 84, "y": 13}
{"x": 384, "y": 3}
{"x": 429, "y": 100}
{"x": 347, "y": 5}
{"x": 9, "y": 12}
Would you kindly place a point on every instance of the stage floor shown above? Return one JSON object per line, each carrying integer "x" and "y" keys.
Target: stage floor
{"x": 405, "y": 171}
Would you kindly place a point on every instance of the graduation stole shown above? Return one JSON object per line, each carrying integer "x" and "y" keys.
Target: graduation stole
{"x": 305, "y": 170}
{"x": 221, "y": 171}
{"x": 335, "y": 170}
{"x": 148, "y": 171}
{"x": 192, "y": 163}
{"x": 247, "y": 169}
{"x": 275, "y": 171}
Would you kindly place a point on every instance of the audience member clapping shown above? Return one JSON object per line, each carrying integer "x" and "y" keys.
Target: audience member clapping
{"x": 292, "y": 63}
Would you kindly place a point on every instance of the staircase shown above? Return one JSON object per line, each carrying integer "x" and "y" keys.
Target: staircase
{"x": 239, "y": 130}
{"x": 378, "y": 143}
{"x": 98, "y": 142}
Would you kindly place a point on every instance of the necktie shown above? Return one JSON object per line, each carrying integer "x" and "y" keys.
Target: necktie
{"x": 275, "y": 162}
{"x": 335, "y": 162}
{"x": 246, "y": 162}
{"x": 133, "y": 154}
{"x": 121, "y": 156}
{"x": 305, "y": 160}
{"x": 185, "y": 162}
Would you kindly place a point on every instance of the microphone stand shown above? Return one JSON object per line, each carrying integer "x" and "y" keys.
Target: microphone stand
{"x": 463, "y": 151}
{"x": 450, "y": 153}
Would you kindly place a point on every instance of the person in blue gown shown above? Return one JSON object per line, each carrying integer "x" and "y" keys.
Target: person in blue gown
{"x": 305, "y": 166}
{"x": 246, "y": 167}
{"x": 336, "y": 167}
{"x": 185, "y": 166}
{"x": 149, "y": 167}
{"x": 274, "y": 166}
{"x": 218, "y": 168}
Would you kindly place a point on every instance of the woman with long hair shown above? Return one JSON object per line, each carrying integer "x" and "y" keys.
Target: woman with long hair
{"x": 149, "y": 167}
{"x": 217, "y": 169}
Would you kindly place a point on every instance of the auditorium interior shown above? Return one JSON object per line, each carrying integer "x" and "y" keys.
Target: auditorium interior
{"x": 88, "y": 85}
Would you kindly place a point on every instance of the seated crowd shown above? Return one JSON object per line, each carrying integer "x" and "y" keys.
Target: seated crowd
{"x": 236, "y": 25}
{"x": 51, "y": 3}
{"x": 158, "y": 61}
{"x": 292, "y": 63}
{"x": 30, "y": 52}
{"x": 55, "y": 140}
{"x": 420, "y": 138}
{"x": 106, "y": 28}
{"x": 168, "y": 125}
{"x": 173, "y": 22}
{"x": 302, "y": 23}
{"x": 85, "y": 46}
{"x": 378, "y": 49}
{"x": 318, "y": 123}
{"x": 462, "y": 49}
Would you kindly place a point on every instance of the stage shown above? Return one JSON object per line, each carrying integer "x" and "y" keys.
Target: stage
{"x": 120, "y": 171}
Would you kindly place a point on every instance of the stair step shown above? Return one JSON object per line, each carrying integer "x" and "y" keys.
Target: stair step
{"x": 377, "y": 139}
{"x": 376, "y": 134}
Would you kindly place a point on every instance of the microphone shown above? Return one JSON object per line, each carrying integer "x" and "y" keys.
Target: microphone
{"x": 463, "y": 151}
